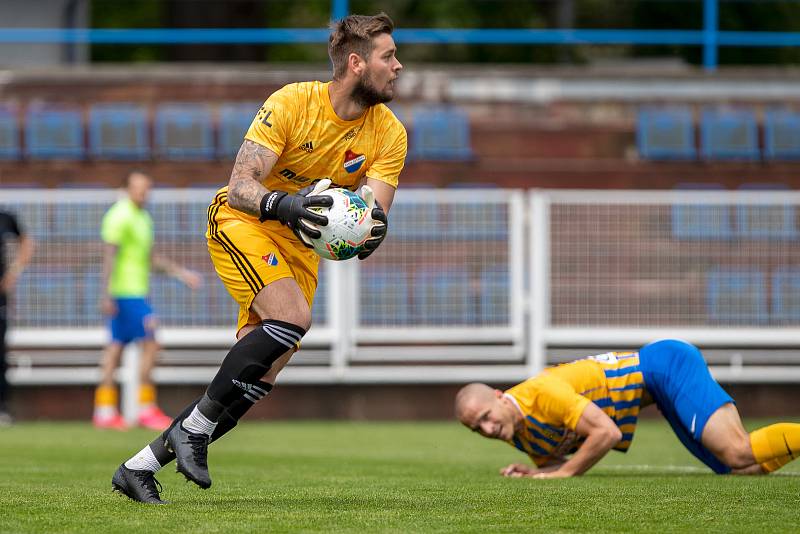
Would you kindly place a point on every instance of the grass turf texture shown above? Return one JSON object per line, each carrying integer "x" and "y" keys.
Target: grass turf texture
{"x": 377, "y": 477}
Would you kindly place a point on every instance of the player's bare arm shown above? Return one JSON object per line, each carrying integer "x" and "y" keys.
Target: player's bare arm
{"x": 189, "y": 278}
{"x": 384, "y": 193}
{"x": 23, "y": 258}
{"x": 253, "y": 163}
{"x": 109, "y": 255}
{"x": 601, "y": 435}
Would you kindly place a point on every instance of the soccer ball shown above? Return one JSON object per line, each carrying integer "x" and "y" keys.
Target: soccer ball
{"x": 349, "y": 226}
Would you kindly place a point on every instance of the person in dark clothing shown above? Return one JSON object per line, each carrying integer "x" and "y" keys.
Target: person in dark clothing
{"x": 9, "y": 228}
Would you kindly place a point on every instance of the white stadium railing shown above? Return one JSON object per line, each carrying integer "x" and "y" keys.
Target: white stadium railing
{"x": 471, "y": 284}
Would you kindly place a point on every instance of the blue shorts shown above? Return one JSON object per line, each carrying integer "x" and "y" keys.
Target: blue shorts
{"x": 677, "y": 377}
{"x": 130, "y": 322}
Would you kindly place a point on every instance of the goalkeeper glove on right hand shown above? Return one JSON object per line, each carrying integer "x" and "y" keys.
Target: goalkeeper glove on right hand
{"x": 292, "y": 210}
{"x": 379, "y": 222}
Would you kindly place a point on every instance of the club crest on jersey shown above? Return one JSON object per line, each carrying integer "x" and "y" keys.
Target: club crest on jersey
{"x": 271, "y": 259}
{"x": 353, "y": 161}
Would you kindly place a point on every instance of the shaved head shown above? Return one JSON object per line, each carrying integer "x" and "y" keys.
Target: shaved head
{"x": 472, "y": 396}
{"x": 487, "y": 411}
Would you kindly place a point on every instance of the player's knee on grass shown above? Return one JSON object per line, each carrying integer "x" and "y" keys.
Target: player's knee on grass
{"x": 736, "y": 454}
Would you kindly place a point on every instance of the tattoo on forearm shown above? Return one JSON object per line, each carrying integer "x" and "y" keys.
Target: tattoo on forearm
{"x": 253, "y": 163}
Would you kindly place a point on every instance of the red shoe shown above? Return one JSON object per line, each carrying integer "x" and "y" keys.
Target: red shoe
{"x": 115, "y": 422}
{"x": 154, "y": 419}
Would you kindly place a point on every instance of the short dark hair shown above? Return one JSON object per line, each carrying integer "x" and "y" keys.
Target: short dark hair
{"x": 353, "y": 34}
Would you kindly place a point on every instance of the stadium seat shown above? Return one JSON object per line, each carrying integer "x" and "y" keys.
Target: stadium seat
{"x": 698, "y": 221}
{"x": 219, "y": 302}
{"x": 169, "y": 299}
{"x": 781, "y": 134}
{"x": 90, "y": 301}
{"x": 401, "y": 112}
{"x": 78, "y": 221}
{"x": 384, "y": 297}
{"x": 46, "y": 296}
{"x": 176, "y": 305}
{"x": 495, "y": 302}
{"x": 168, "y": 222}
{"x": 440, "y": 133}
{"x": 766, "y": 222}
{"x": 473, "y": 221}
{"x": 9, "y": 133}
{"x": 319, "y": 311}
{"x": 736, "y": 296}
{"x": 418, "y": 221}
{"x": 118, "y": 131}
{"x": 442, "y": 297}
{"x": 54, "y": 133}
{"x": 234, "y": 120}
{"x": 729, "y": 134}
{"x": 786, "y": 295}
{"x": 184, "y": 132}
{"x": 666, "y": 133}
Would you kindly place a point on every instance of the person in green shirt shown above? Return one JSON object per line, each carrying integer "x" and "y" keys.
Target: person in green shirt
{"x": 127, "y": 233}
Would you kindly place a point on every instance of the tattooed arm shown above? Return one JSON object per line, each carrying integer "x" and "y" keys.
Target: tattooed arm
{"x": 253, "y": 163}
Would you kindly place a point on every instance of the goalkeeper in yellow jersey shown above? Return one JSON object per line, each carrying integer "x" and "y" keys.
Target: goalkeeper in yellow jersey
{"x": 306, "y": 137}
{"x": 569, "y": 416}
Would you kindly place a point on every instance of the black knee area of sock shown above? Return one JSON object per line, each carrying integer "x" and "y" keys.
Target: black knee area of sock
{"x": 251, "y": 358}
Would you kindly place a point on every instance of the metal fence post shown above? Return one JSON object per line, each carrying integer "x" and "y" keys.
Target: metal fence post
{"x": 129, "y": 380}
{"x": 710, "y": 29}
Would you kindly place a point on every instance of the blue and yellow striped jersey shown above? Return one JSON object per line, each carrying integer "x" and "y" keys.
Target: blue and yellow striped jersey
{"x": 552, "y": 402}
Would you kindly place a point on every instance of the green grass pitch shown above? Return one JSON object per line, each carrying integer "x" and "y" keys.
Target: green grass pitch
{"x": 377, "y": 477}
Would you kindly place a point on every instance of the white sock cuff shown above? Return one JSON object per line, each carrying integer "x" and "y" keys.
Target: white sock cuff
{"x": 144, "y": 460}
{"x": 199, "y": 423}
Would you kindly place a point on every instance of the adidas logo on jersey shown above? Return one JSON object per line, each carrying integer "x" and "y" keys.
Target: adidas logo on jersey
{"x": 308, "y": 147}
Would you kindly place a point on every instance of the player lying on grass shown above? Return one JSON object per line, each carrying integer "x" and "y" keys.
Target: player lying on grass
{"x": 588, "y": 407}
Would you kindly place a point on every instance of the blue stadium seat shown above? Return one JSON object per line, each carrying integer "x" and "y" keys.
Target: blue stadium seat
{"x": 78, "y": 221}
{"x": 729, "y": 134}
{"x": 234, "y": 120}
{"x": 54, "y": 133}
{"x": 666, "y": 133}
{"x": 168, "y": 222}
{"x": 384, "y": 297}
{"x": 697, "y": 221}
{"x": 91, "y": 293}
{"x": 47, "y": 296}
{"x": 169, "y": 299}
{"x": 476, "y": 221}
{"x": 9, "y": 133}
{"x": 416, "y": 221}
{"x": 440, "y": 133}
{"x": 781, "y": 134}
{"x": 401, "y": 112}
{"x": 219, "y": 302}
{"x": 766, "y": 222}
{"x": 118, "y": 131}
{"x": 184, "y": 132}
{"x": 177, "y": 305}
{"x": 442, "y": 297}
{"x": 495, "y": 301}
{"x": 786, "y": 295}
{"x": 736, "y": 296}
{"x": 319, "y": 310}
